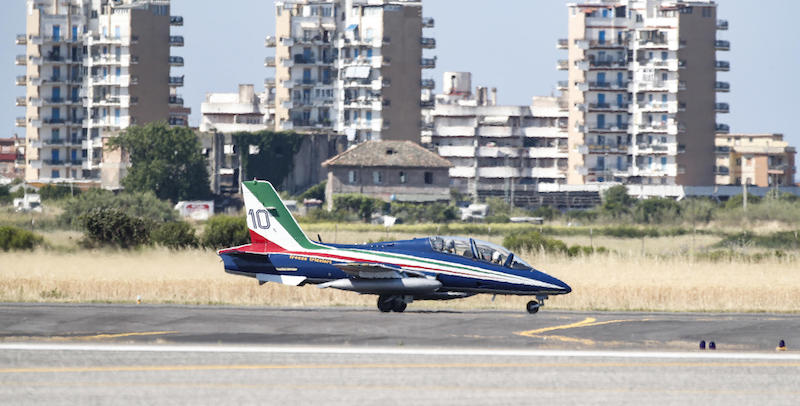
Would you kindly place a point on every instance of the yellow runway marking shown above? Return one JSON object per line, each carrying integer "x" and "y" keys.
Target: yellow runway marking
{"x": 104, "y": 336}
{"x": 179, "y": 368}
{"x": 588, "y": 322}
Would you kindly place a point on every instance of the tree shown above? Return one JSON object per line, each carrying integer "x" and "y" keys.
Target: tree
{"x": 167, "y": 161}
{"x": 272, "y": 155}
{"x": 616, "y": 201}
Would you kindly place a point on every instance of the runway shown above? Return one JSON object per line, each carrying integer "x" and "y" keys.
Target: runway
{"x": 128, "y": 354}
{"x": 368, "y": 327}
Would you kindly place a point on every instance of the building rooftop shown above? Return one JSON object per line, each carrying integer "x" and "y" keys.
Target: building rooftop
{"x": 389, "y": 153}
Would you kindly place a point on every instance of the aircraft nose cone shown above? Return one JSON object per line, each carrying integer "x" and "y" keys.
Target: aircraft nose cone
{"x": 565, "y": 288}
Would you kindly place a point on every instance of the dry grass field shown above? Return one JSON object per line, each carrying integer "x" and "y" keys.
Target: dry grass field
{"x": 625, "y": 280}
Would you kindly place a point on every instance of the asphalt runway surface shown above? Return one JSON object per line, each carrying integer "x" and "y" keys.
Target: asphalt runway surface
{"x": 133, "y": 354}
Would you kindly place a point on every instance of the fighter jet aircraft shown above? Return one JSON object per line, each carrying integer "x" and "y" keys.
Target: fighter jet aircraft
{"x": 399, "y": 272}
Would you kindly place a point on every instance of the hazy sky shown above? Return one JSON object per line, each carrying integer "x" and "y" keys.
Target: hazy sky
{"x": 508, "y": 44}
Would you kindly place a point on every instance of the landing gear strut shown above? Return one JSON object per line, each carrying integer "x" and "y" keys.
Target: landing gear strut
{"x": 534, "y": 305}
{"x": 388, "y": 303}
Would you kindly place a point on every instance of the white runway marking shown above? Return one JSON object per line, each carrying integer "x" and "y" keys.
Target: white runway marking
{"x": 399, "y": 351}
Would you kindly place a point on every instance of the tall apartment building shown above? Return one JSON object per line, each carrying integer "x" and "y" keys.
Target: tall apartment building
{"x": 352, "y": 66}
{"x": 93, "y": 68}
{"x": 755, "y": 159}
{"x": 642, "y": 89}
{"x": 234, "y": 112}
{"x": 494, "y": 149}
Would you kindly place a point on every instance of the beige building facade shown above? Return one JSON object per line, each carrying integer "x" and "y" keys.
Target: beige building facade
{"x": 351, "y": 66}
{"x": 764, "y": 160}
{"x": 93, "y": 68}
{"x": 642, "y": 91}
{"x": 496, "y": 149}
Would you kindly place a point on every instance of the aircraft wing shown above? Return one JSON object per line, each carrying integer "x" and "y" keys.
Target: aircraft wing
{"x": 372, "y": 270}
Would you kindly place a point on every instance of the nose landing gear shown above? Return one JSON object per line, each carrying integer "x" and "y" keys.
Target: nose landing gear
{"x": 533, "y": 306}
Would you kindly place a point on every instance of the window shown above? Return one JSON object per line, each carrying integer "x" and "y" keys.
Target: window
{"x": 55, "y": 174}
{"x": 428, "y": 178}
{"x": 352, "y": 177}
{"x": 403, "y": 178}
{"x": 117, "y": 32}
{"x": 663, "y": 161}
{"x": 377, "y": 177}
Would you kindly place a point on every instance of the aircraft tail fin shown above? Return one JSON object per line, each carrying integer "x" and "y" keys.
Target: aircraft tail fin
{"x": 269, "y": 221}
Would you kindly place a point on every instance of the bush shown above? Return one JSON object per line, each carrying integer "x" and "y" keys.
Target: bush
{"x": 174, "y": 235}
{"x": 424, "y": 212}
{"x": 5, "y": 194}
{"x": 362, "y": 205}
{"x": 736, "y": 202}
{"x": 656, "y": 211}
{"x": 322, "y": 215}
{"x": 55, "y": 191}
{"x": 14, "y": 238}
{"x": 781, "y": 239}
{"x": 314, "y": 192}
{"x": 546, "y": 212}
{"x": 133, "y": 204}
{"x": 226, "y": 231}
{"x": 534, "y": 241}
{"x": 114, "y": 227}
{"x": 617, "y": 202}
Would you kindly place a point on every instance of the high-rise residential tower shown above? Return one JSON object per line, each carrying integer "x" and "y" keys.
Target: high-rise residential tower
{"x": 93, "y": 68}
{"x": 642, "y": 86}
{"x": 352, "y": 66}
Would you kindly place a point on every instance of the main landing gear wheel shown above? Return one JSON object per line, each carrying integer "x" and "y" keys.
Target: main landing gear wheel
{"x": 399, "y": 305}
{"x": 391, "y": 303}
{"x": 533, "y": 307}
{"x": 385, "y": 303}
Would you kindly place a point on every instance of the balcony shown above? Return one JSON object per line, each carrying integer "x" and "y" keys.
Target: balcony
{"x": 722, "y": 170}
{"x": 427, "y": 22}
{"x": 176, "y": 41}
{"x": 426, "y": 104}
{"x": 54, "y": 58}
{"x": 175, "y": 101}
{"x": 21, "y": 60}
{"x": 722, "y": 86}
{"x": 20, "y": 122}
{"x": 175, "y": 61}
{"x": 722, "y": 25}
{"x": 562, "y": 43}
{"x": 562, "y": 85}
{"x": 269, "y": 41}
{"x": 720, "y": 45}
{"x": 722, "y": 150}
{"x": 21, "y": 39}
{"x": 723, "y": 129}
{"x": 428, "y": 63}
{"x": 21, "y": 81}
{"x": 427, "y": 83}
{"x": 269, "y": 82}
{"x": 562, "y": 64}
{"x": 176, "y": 21}
{"x": 177, "y": 121}
{"x": 623, "y": 86}
{"x": 269, "y": 62}
{"x": 176, "y": 80}
{"x": 608, "y": 107}
{"x": 607, "y": 63}
{"x": 605, "y": 44}
{"x": 722, "y": 66}
{"x": 428, "y": 43}
{"x": 721, "y": 108}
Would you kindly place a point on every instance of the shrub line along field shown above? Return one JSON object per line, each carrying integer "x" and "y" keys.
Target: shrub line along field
{"x": 621, "y": 280}
{"x": 653, "y": 254}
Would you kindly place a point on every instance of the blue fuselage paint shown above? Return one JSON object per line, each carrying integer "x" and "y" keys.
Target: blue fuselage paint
{"x": 323, "y": 269}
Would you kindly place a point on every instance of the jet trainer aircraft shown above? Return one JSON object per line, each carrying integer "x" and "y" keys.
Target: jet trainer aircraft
{"x": 399, "y": 272}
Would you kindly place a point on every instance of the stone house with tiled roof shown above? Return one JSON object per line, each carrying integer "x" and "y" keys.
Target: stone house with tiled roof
{"x": 389, "y": 170}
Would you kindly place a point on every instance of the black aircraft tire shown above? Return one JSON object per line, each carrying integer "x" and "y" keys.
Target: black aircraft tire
{"x": 532, "y": 307}
{"x": 399, "y": 305}
{"x": 385, "y": 303}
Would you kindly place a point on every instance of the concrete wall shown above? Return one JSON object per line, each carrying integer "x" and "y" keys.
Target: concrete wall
{"x": 415, "y": 188}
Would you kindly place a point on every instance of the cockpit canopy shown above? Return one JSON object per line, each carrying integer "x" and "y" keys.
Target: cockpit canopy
{"x": 482, "y": 251}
